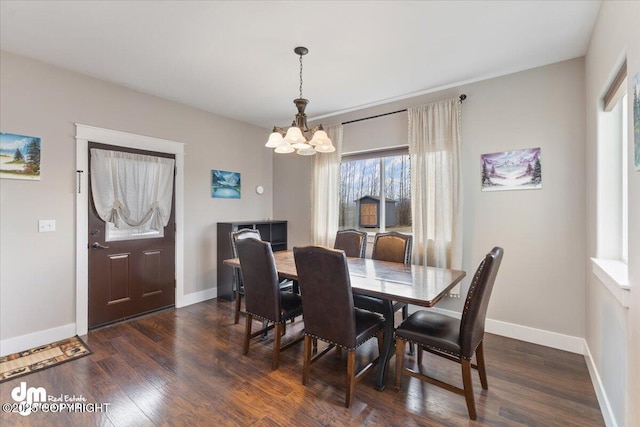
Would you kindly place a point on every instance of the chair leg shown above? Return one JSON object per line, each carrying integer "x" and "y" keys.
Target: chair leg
{"x": 481, "y": 369}
{"x": 351, "y": 373}
{"x": 247, "y": 334}
{"x": 405, "y": 314}
{"x": 306, "y": 365}
{"x": 468, "y": 388}
{"x": 315, "y": 345}
{"x": 399, "y": 360}
{"x": 238, "y": 305}
{"x": 277, "y": 335}
{"x": 380, "y": 338}
{"x": 419, "y": 355}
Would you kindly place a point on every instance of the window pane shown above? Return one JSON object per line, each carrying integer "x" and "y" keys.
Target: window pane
{"x": 359, "y": 183}
{"x": 112, "y": 233}
{"x": 397, "y": 192}
{"x": 360, "y": 196}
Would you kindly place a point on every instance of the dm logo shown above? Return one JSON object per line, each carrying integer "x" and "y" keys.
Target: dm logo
{"x": 28, "y": 396}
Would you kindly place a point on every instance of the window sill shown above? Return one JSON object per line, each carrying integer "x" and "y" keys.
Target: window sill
{"x": 614, "y": 276}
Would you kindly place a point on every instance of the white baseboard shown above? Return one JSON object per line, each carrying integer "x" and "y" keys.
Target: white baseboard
{"x": 554, "y": 340}
{"x": 601, "y": 394}
{"x": 536, "y": 336}
{"x": 524, "y": 333}
{"x": 25, "y": 342}
{"x": 197, "y": 297}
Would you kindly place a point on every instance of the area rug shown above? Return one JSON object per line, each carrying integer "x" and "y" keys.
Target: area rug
{"x": 43, "y": 357}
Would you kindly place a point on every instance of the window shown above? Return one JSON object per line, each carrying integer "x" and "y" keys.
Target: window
{"x": 612, "y": 181}
{"x": 369, "y": 181}
{"x": 610, "y": 263}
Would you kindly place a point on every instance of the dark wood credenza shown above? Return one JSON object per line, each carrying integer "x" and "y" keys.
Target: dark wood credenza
{"x": 274, "y": 232}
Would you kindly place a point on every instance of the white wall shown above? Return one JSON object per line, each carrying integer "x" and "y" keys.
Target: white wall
{"x": 37, "y": 274}
{"x": 613, "y": 332}
{"x": 541, "y": 282}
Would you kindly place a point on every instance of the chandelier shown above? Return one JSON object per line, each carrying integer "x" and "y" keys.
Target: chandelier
{"x": 296, "y": 138}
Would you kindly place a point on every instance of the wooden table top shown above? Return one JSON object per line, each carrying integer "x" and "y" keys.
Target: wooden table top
{"x": 413, "y": 284}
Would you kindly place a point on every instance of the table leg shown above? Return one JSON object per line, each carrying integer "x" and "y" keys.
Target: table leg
{"x": 387, "y": 345}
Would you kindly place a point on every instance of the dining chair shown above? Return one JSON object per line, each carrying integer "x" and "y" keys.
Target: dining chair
{"x": 239, "y": 286}
{"x": 352, "y": 242}
{"x": 329, "y": 313}
{"x": 452, "y": 338}
{"x": 393, "y": 247}
{"x": 264, "y": 299}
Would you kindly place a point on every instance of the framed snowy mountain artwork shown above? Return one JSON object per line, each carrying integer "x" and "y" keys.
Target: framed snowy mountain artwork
{"x": 512, "y": 170}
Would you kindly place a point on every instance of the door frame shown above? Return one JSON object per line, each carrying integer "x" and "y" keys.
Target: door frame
{"x": 84, "y": 134}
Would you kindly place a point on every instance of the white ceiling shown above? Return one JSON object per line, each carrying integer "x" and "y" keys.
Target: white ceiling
{"x": 236, "y": 59}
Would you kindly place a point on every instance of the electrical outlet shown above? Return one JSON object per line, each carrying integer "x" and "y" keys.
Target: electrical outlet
{"x": 46, "y": 225}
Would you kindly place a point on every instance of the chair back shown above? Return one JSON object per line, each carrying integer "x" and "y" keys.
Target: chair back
{"x": 352, "y": 242}
{"x": 260, "y": 277}
{"x": 243, "y": 234}
{"x": 475, "y": 306}
{"x": 325, "y": 288}
{"x": 392, "y": 247}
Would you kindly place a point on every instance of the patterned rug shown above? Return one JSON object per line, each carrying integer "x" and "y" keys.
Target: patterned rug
{"x": 29, "y": 361}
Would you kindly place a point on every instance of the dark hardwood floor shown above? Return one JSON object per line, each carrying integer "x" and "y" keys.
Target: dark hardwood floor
{"x": 184, "y": 367}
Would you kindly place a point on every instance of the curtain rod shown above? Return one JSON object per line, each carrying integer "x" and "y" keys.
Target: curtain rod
{"x": 462, "y": 98}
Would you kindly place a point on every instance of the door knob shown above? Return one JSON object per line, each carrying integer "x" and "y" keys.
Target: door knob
{"x": 97, "y": 245}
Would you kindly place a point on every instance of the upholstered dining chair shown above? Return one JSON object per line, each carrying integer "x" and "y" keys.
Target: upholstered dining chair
{"x": 352, "y": 242}
{"x": 392, "y": 247}
{"x": 452, "y": 338}
{"x": 264, "y": 299}
{"x": 329, "y": 314}
{"x": 239, "y": 287}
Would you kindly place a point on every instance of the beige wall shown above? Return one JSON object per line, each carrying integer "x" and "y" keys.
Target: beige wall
{"x": 37, "y": 274}
{"x": 541, "y": 283}
{"x": 613, "y": 332}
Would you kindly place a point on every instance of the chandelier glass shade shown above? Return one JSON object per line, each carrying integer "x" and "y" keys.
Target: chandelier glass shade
{"x": 298, "y": 137}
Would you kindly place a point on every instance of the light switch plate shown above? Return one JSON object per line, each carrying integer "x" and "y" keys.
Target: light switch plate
{"x": 46, "y": 225}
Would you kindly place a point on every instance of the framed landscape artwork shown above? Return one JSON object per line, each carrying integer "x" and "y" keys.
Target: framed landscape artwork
{"x": 225, "y": 184}
{"x": 19, "y": 156}
{"x": 512, "y": 170}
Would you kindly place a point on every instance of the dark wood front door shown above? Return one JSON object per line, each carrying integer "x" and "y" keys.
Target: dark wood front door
{"x": 128, "y": 277}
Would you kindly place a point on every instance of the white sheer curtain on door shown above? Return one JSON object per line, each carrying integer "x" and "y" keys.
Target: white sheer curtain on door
{"x": 132, "y": 190}
{"x": 436, "y": 184}
{"x": 325, "y": 189}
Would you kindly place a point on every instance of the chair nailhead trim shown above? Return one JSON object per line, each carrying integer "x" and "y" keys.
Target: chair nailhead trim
{"x": 340, "y": 345}
{"x": 431, "y": 346}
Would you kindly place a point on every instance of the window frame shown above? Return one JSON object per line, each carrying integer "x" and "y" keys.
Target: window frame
{"x": 380, "y": 154}
{"x": 610, "y": 263}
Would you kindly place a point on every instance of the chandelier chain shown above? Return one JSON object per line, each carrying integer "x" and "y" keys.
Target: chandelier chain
{"x": 300, "y": 76}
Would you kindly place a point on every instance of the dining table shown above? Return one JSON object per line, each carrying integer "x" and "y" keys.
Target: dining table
{"x": 392, "y": 282}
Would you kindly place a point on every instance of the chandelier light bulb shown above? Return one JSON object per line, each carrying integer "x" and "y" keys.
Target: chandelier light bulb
{"x": 284, "y": 148}
{"x": 325, "y": 148}
{"x": 274, "y": 140}
{"x": 294, "y": 135}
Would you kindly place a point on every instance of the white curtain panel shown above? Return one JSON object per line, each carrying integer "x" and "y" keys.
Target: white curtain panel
{"x": 132, "y": 190}
{"x": 436, "y": 184}
{"x": 325, "y": 191}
